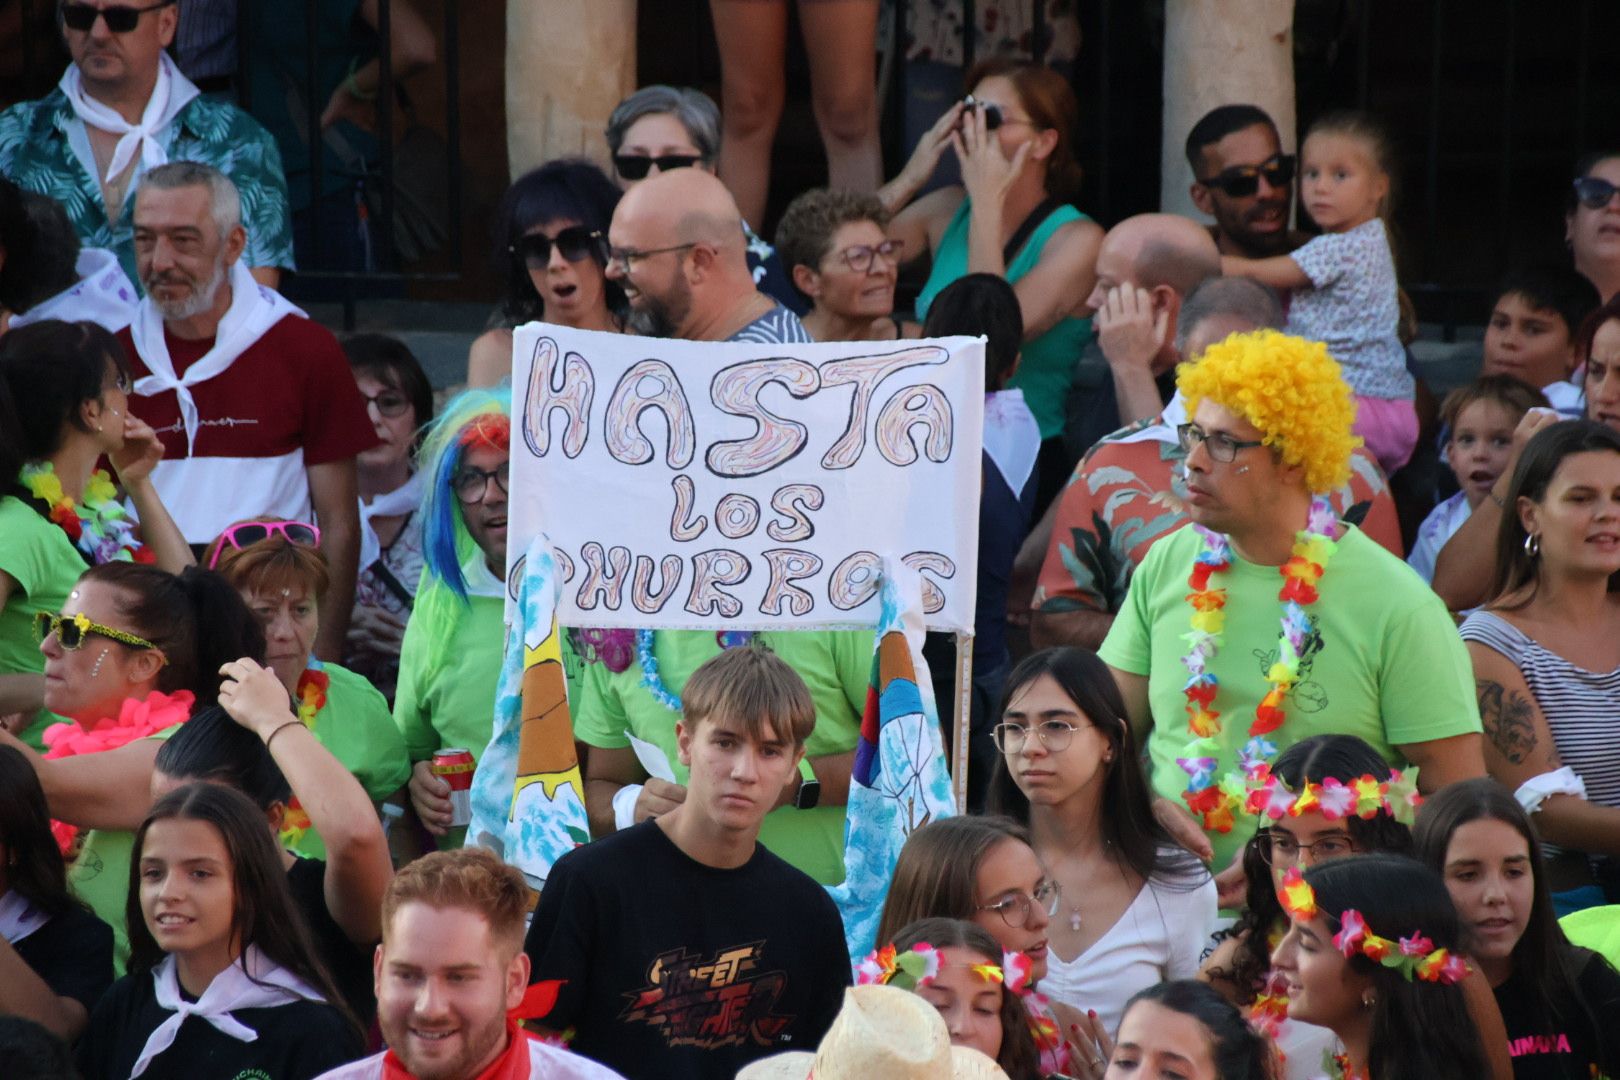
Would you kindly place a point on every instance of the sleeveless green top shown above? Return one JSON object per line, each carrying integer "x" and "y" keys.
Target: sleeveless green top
{"x": 1047, "y": 366}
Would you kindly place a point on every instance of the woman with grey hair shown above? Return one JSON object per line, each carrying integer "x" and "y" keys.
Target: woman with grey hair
{"x": 659, "y": 128}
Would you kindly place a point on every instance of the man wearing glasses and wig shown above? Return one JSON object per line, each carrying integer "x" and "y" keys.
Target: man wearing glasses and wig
{"x": 123, "y": 108}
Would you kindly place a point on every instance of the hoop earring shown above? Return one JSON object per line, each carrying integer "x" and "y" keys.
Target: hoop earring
{"x": 1532, "y": 545}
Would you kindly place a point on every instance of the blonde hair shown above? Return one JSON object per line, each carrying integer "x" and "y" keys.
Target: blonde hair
{"x": 755, "y": 688}
{"x": 471, "y": 878}
{"x": 1290, "y": 389}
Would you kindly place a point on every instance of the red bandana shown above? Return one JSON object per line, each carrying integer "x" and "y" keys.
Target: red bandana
{"x": 512, "y": 1064}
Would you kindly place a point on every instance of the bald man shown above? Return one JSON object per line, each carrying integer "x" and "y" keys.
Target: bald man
{"x": 678, "y": 251}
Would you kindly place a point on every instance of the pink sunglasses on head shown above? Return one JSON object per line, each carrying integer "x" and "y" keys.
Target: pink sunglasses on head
{"x": 251, "y": 532}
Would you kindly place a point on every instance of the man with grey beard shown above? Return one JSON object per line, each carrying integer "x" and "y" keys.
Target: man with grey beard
{"x": 676, "y": 247}
{"x": 259, "y": 416}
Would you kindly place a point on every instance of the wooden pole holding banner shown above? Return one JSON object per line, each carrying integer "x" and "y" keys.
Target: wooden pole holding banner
{"x": 963, "y": 722}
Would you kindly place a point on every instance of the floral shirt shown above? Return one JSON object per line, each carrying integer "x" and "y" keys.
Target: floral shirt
{"x": 1128, "y": 491}
{"x": 36, "y": 155}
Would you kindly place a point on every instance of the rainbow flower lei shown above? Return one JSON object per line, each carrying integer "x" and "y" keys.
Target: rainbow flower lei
{"x": 727, "y": 639}
{"x": 311, "y": 695}
{"x": 1414, "y": 957}
{"x": 919, "y": 965}
{"x": 98, "y": 527}
{"x": 1365, "y": 797}
{"x": 1339, "y": 1067}
{"x": 1218, "y": 801}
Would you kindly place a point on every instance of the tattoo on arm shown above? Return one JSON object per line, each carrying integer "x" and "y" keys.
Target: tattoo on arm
{"x": 1508, "y": 717}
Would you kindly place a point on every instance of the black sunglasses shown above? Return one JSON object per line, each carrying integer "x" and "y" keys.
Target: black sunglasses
{"x": 992, "y": 113}
{"x": 636, "y": 166}
{"x": 120, "y": 18}
{"x": 1241, "y": 181}
{"x": 1594, "y": 192}
{"x": 575, "y": 242}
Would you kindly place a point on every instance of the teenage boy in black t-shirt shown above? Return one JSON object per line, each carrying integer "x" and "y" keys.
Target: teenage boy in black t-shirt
{"x": 685, "y": 949}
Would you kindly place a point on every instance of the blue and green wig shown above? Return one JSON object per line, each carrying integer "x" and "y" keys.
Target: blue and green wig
{"x": 471, "y": 418}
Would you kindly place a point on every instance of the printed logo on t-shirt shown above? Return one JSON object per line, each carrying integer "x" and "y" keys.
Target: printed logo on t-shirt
{"x": 724, "y": 1001}
{"x": 253, "y": 1074}
{"x": 1306, "y": 695}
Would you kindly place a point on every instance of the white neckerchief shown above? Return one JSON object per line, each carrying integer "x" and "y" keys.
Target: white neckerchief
{"x": 1012, "y": 437}
{"x": 1163, "y": 428}
{"x": 269, "y": 985}
{"x": 102, "y": 295}
{"x": 254, "y": 309}
{"x": 172, "y": 92}
{"x": 403, "y": 499}
{"x": 19, "y": 917}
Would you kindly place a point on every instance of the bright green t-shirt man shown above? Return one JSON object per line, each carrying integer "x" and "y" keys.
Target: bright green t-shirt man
{"x": 1372, "y": 653}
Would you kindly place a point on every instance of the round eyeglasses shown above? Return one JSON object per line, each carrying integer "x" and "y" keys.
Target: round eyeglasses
{"x": 1054, "y": 735}
{"x": 1015, "y": 908}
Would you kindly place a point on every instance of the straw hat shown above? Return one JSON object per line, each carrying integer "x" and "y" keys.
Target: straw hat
{"x": 880, "y": 1032}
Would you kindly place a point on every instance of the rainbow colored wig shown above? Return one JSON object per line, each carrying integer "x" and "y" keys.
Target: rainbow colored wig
{"x": 473, "y": 417}
{"x": 1290, "y": 389}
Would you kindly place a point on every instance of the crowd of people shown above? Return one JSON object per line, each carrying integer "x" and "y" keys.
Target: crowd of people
{"x": 1323, "y": 785}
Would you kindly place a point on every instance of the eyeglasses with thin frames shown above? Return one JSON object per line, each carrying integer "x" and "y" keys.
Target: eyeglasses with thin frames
{"x": 624, "y": 258}
{"x": 1015, "y": 909}
{"x": 1055, "y": 735}
{"x": 1282, "y": 848}
{"x": 1221, "y": 446}
{"x": 121, "y": 18}
{"x": 390, "y": 403}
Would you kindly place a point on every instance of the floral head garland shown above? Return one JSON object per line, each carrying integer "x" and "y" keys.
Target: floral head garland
{"x": 1217, "y": 801}
{"x": 1413, "y": 957}
{"x": 919, "y": 965}
{"x": 1364, "y": 797}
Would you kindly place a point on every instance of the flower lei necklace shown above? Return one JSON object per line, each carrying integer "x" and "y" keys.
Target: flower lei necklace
{"x": 727, "y": 639}
{"x": 98, "y": 526}
{"x": 311, "y": 699}
{"x": 1339, "y": 1067}
{"x": 137, "y": 719}
{"x": 1218, "y": 801}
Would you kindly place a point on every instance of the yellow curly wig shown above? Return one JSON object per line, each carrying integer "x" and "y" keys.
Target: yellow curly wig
{"x": 1290, "y": 389}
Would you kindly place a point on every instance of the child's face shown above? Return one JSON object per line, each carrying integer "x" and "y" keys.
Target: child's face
{"x": 187, "y": 894}
{"x": 1341, "y": 185}
{"x": 1481, "y": 444}
{"x": 1527, "y": 342}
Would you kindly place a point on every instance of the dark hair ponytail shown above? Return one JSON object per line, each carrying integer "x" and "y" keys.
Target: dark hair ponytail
{"x": 216, "y": 748}
{"x": 197, "y": 618}
{"x": 37, "y": 872}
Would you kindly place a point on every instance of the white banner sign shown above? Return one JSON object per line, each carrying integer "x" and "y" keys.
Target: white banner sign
{"x": 706, "y": 485}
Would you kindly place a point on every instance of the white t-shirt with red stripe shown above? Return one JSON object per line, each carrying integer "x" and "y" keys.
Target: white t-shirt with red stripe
{"x": 287, "y": 403}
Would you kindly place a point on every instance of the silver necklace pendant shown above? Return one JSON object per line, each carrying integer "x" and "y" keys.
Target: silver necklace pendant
{"x": 1074, "y": 920}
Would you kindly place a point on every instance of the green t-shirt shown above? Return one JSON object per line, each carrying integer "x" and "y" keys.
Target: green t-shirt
{"x": 447, "y": 679}
{"x": 100, "y": 877}
{"x": 356, "y": 727}
{"x": 835, "y": 665}
{"x": 45, "y": 564}
{"x": 1384, "y": 661}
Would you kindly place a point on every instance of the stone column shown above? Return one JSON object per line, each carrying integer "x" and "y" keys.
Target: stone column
{"x": 567, "y": 64}
{"x": 1221, "y": 52}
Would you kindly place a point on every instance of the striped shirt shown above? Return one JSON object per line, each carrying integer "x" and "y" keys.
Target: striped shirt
{"x": 778, "y": 326}
{"x": 1582, "y": 707}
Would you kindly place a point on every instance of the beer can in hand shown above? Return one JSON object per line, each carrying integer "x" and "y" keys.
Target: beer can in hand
{"x": 455, "y": 767}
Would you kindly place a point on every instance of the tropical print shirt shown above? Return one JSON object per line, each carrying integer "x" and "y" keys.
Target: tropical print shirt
{"x": 1128, "y": 492}
{"x": 36, "y": 155}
